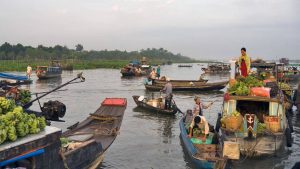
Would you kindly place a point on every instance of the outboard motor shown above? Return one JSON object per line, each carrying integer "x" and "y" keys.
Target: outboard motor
{"x": 53, "y": 110}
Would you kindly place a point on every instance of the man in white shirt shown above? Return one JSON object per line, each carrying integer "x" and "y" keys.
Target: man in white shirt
{"x": 29, "y": 71}
{"x": 200, "y": 123}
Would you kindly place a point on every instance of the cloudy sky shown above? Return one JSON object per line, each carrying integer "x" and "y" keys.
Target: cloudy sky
{"x": 199, "y": 29}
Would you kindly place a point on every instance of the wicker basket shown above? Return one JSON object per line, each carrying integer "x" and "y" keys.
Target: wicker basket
{"x": 233, "y": 123}
{"x": 272, "y": 123}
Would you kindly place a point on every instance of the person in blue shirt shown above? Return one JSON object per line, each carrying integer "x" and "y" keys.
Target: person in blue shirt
{"x": 158, "y": 71}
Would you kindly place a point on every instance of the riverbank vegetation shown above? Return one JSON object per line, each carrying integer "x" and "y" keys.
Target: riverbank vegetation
{"x": 17, "y": 57}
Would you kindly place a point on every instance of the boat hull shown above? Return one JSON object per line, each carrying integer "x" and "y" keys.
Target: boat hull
{"x": 49, "y": 75}
{"x": 191, "y": 149}
{"x": 261, "y": 146}
{"x": 203, "y": 87}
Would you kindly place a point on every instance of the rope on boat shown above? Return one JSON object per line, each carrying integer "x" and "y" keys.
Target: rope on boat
{"x": 97, "y": 161}
{"x": 64, "y": 159}
{"x": 103, "y": 118}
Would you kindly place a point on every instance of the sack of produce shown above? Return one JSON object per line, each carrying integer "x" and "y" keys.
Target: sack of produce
{"x": 260, "y": 91}
{"x": 272, "y": 123}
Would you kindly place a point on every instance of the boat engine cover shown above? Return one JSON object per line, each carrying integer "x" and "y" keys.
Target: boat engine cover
{"x": 53, "y": 110}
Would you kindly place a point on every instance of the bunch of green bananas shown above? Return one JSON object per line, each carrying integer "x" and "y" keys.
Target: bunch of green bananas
{"x": 12, "y": 133}
{"x": 25, "y": 96}
{"x": 235, "y": 113}
{"x": 286, "y": 88}
{"x": 4, "y": 105}
{"x": 3, "y": 134}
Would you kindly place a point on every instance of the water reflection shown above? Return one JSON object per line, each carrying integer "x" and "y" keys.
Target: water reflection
{"x": 48, "y": 83}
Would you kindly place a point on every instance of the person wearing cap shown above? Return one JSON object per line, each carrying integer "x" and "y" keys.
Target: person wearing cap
{"x": 199, "y": 123}
{"x": 199, "y": 106}
{"x": 158, "y": 71}
{"x": 168, "y": 91}
{"x": 244, "y": 63}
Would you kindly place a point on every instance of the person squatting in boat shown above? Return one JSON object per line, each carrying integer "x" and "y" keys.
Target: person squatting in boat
{"x": 199, "y": 128}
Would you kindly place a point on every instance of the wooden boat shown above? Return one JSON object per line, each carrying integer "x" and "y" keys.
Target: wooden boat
{"x": 136, "y": 68}
{"x": 13, "y": 80}
{"x": 217, "y": 68}
{"x": 204, "y": 156}
{"x": 90, "y": 140}
{"x": 255, "y": 112}
{"x": 180, "y": 82}
{"x": 159, "y": 108}
{"x": 52, "y": 71}
{"x": 185, "y": 65}
{"x": 191, "y": 87}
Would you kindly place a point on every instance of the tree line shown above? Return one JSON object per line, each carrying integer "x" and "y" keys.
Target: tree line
{"x": 21, "y": 52}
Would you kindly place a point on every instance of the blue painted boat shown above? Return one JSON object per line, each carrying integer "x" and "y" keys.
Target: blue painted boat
{"x": 205, "y": 157}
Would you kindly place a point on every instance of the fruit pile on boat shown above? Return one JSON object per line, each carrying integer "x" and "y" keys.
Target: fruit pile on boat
{"x": 14, "y": 122}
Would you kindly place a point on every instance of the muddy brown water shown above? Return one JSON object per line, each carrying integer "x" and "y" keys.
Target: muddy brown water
{"x": 148, "y": 140}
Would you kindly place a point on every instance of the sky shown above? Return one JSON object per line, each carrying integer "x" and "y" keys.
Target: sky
{"x": 200, "y": 29}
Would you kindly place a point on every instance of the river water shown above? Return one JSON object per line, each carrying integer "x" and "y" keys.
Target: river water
{"x": 148, "y": 140}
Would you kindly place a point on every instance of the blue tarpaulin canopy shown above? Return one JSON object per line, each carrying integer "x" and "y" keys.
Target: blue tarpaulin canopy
{"x": 135, "y": 63}
{"x": 12, "y": 76}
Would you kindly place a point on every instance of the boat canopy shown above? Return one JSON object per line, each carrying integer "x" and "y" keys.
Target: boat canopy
{"x": 12, "y": 76}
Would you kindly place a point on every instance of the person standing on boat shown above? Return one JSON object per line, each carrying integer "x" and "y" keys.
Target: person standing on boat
{"x": 29, "y": 71}
{"x": 244, "y": 63}
{"x": 153, "y": 75}
{"x": 199, "y": 106}
{"x": 158, "y": 71}
{"x": 168, "y": 90}
{"x": 199, "y": 123}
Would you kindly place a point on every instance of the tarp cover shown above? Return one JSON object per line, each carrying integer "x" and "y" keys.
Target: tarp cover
{"x": 12, "y": 76}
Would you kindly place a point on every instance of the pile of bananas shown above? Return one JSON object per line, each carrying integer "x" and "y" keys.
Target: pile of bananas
{"x": 25, "y": 96}
{"x": 15, "y": 123}
{"x": 286, "y": 88}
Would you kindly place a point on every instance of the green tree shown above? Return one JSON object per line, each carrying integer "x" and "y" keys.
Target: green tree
{"x": 79, "y": 47}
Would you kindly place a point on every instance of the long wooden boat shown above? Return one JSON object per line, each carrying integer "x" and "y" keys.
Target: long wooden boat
{"x": 90, "y": 140}
{"x": 185, "y": 65}
{"x": 204, "y": 156}
{"x": 15, "y": 82}
{"x": 155, "y": 109}
{"x": 191, "y": 87}
{"x": 180, "y": 82}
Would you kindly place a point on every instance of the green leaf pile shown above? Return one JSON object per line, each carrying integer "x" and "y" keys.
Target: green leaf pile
{"x": 243, "y": 85}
